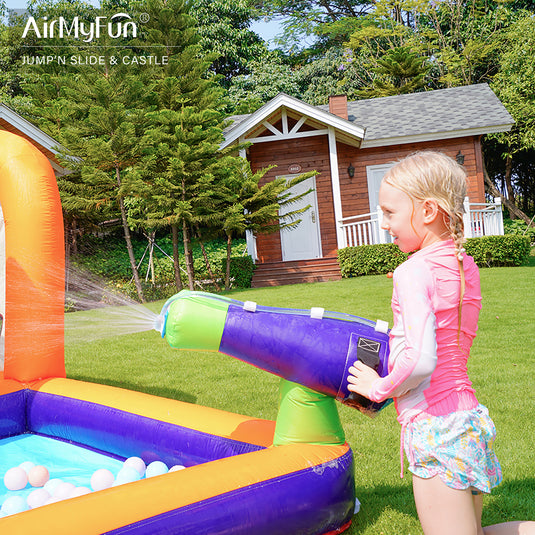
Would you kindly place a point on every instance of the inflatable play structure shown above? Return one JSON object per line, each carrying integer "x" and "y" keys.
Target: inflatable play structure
{"x": 243, "y": 475}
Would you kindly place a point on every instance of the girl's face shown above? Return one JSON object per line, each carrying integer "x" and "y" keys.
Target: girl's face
{"x": 403, "y": 218}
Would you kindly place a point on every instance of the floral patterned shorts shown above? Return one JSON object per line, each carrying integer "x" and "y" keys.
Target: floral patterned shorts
{"x": 457, "y": 447}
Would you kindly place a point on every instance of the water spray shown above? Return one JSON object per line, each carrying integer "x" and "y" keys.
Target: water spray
{"x": 159, "y": 324}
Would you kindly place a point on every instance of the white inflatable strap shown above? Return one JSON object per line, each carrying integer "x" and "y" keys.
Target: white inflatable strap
{"x": 317, "y": 313}
{"x": 249, "y": 306}
{"x": 381, "y": 326}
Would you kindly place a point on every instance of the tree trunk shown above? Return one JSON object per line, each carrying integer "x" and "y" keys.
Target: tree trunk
{"x": 152, "y": 237}
{"x": 188, "y": 256}
{"x": 507, "y": 178}
{"x": 128, "y": 240}
{"x": 176, "y": 259}
{"x": 71, "y": 236}
{"x": 493, "y": 190}
{"x": 67, "y": 238}
{"x": 207, "y": 261}
{"x": 229, "y": 254}
{"x": 191, "y": 262}
{"x": 130, "y": 248}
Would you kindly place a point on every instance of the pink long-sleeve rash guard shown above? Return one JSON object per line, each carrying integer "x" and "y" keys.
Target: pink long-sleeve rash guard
{"x": 428, "y": 353}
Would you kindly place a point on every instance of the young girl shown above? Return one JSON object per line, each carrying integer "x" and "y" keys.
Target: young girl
{"x": 447, "y": 435}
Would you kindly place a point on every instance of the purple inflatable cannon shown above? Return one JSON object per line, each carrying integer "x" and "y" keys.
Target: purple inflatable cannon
{"x": 312, "y": 347}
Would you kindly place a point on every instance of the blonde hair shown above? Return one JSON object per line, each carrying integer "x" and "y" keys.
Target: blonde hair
{"x": 429, "y": 174}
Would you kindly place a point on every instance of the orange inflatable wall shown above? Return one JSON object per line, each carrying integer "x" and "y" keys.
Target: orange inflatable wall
{"x": 35, "y": 262}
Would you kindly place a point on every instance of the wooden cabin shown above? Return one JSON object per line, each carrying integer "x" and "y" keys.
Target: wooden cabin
{"x": 351, "y": 145}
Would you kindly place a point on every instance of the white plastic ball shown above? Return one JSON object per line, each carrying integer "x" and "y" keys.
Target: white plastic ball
{"x": 38, "y": 476}
{"x": 15, "y": 478}
{"x": 14, "y": 505}
{"x": 127, "y": 474}
{"x": 101, "y": 479}
{"x": 37, "y": 497}
{"x": 63, "y": 490}
{"x": 156, "y": 468}
{"x": 176, "y": 468}
{"x": 136, "y": 462}
{"x": 51, "y": 484}
{"x": 54, "y": 499}
{"x": 27, "y": 466}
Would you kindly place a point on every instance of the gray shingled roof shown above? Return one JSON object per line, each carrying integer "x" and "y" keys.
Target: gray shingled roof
{"x": 438, "y": 114}
{"x": 440, "y": 111}
{"x": 235, "y": 121}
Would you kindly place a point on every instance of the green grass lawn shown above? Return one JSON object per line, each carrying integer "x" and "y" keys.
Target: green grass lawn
{"x": 502, "y": 369}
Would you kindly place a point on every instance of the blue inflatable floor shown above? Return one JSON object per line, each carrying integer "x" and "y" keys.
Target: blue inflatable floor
{"x": 65, "y": 461}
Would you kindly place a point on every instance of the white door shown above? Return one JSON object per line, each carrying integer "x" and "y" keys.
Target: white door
{"x": 375, "y": 174}
{"x": 303, "y": 241}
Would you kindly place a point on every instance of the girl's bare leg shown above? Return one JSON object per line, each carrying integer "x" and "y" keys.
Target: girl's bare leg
{"x": 511, "y": 528}
{"x": 443, "y": 510}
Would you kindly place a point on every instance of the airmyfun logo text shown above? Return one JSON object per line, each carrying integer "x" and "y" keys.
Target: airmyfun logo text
{"x": 115, "y": 27}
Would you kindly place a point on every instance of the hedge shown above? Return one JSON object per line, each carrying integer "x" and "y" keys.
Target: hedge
{"x": 519, "y": 227}
{"x": 241, "y": 270}
{"x": 487, "y": 251}
{"x": 493, "y": 251}
{"x": 370, "y": 259}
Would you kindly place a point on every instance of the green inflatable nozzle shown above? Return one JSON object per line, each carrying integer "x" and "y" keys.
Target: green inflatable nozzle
{"x": 185, "y": 317}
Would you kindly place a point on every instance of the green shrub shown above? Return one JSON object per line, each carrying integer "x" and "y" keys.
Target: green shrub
{"x": 107, "y": 258}
{"x": 494, "y": 251}
{"x": 370, "y": 259}
{"x": 488, "y": 251}
{"x": 519, "y": 227}
{"x": 151, "y": 292}
{"x": 241, "y": 270}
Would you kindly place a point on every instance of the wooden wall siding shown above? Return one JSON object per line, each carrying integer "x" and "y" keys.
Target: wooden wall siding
{"x": 479, "y": 182}
{"x": 311, "y": 154}
{"x": 355, "y": 191}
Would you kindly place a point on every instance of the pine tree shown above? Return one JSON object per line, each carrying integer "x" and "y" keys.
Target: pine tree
{"x": 185, "y": 133}
{"x": 97, "y": 112}
{"x": 104, "y": 146}
{"x": 399, "y": 71}
{"x": 241, "y": 204}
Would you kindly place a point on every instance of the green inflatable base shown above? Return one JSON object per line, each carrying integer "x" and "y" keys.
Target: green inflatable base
{"x": 306, "y": 416}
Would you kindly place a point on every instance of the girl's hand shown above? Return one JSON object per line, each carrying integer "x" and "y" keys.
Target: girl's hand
{"x": 361, "y": 378}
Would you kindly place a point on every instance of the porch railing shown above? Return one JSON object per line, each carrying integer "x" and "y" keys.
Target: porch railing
{"x": 483, "y": 219}
{"x": 480, "y": 219}
{"x": 363, "y": 229}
